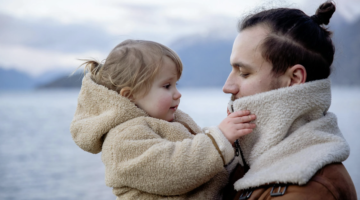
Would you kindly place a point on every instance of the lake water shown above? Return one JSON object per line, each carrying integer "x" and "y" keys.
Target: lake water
{"x": 39, "y": 160}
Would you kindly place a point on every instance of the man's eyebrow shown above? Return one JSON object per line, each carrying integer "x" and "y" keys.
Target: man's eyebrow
{"x": 242, "y": 65}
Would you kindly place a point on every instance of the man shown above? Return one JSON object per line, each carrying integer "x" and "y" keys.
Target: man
{"x": 280, "y": 62}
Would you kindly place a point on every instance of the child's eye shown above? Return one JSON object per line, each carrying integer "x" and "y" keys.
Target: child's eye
{"x": 167, "y": 86}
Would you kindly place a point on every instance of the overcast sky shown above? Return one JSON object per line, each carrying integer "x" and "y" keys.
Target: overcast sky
{"x": 42, "y": 35}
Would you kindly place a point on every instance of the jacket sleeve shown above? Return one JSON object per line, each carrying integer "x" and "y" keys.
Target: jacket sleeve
{"x": 139, "y": 158}
{"x": 221, "y": 143}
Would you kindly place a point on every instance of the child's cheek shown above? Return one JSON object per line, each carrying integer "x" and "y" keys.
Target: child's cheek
{"x": 164, "y": 103}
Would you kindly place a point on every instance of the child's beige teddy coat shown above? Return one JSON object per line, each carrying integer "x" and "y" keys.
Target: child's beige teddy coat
{"x": 145, "y": 157}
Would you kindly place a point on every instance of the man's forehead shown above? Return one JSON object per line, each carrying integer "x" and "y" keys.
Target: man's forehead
{"x": 251, "y": 38}
{"x": 246, "y": 51}
{"x": 242, "y": 58}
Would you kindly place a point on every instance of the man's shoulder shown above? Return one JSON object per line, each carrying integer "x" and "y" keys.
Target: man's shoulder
{"x": 331, "y": 182}
{"x": 336, "y": 179}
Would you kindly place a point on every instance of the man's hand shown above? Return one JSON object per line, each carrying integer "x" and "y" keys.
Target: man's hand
{"x": 237, "y": 124}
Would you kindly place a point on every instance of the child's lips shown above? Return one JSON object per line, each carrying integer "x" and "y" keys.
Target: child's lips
{"x": 173, "y": 108}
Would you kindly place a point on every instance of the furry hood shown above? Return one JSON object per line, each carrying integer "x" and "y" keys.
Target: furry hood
{"x": 96, "y": 105}
{"x": 295, "y": 135}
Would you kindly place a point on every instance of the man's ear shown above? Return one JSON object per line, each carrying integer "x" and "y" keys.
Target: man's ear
{"x": 125, "y": 92}
{"x": 296, "y": 74}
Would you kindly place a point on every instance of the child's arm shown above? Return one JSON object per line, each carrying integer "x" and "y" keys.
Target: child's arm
{"x": 233, "y": 127}
{"x": 139, "y": 158}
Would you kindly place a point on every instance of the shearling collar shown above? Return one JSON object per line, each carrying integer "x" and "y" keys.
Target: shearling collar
{"x": 99, "y": 110}
{"x": 295, "y": 135}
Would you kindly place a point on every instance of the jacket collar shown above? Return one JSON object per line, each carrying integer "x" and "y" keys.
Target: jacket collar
{"x": 295, "y": 135}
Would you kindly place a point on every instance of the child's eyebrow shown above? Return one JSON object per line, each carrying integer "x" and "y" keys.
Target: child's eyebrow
{"x": 169, "y": 79}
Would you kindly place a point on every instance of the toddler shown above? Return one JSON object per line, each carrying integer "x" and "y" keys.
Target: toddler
{"x": 128, "y": 109}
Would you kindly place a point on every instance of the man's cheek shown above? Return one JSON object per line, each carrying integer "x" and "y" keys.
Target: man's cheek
{"x": 251, "y": 89}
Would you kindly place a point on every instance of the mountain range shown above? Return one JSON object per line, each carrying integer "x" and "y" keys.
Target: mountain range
{"x": 206, "y": 62}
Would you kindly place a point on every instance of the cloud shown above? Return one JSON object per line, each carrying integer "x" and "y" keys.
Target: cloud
{"x": 35, "y": 46}
{"x": 349, "y": 9}
{"x": 54, "y": 36}
{"x": 63, "y": 30}
{"x": 163, "y": 21}
{"x": 36, "y": 61}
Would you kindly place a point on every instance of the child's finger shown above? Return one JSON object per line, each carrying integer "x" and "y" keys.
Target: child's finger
{"x": 245, "y": 126}
{"x": 244, "y": 119}
{"x": 228, "y": 112}
{"x": 239, "y": 113}
{"x": 243, "y": 132}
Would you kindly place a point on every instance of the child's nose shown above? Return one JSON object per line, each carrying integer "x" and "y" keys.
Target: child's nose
{"x": 177, "y": 95}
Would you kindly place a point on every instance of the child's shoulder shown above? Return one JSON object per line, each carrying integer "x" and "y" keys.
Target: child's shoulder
{"x": 143, "y": 123}
{"x": 136, "y": 128}
{"x": 183, "y": 117}
{"x": 146, "y": 127}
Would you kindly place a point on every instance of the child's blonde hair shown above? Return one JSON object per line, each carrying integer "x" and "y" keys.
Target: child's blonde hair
{"x": 132, "y": 64}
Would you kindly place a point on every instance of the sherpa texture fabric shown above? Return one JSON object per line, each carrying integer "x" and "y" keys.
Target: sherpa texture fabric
{"x": 145, "y": 157}
{"x": 295, "y": 136}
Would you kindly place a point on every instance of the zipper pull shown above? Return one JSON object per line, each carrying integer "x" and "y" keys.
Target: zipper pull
{"x": 237, "y": 145}
{"x": 237, "y": 148}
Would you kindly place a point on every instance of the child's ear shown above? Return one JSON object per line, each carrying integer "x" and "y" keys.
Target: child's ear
{"x": 125, "y": 92}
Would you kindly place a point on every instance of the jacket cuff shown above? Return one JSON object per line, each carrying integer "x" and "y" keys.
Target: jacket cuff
{"x": 221, "y": 143}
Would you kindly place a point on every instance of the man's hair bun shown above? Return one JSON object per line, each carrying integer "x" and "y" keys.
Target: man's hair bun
{"x": 324, "y": 13}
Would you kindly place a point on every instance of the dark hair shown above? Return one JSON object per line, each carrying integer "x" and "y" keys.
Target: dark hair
{"x": 296, "y": 38}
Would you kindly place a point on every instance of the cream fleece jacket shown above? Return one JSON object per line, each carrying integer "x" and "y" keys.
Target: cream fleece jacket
{"x": 145, "y": 157}
{"x": 295, "y": 136}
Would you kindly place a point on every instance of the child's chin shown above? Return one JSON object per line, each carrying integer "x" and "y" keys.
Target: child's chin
{"x": 170, "y": 119}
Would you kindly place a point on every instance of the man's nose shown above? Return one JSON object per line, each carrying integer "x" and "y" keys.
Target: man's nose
{"x": 230, "y": 87}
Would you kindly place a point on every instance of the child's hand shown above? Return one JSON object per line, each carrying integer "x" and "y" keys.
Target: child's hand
{"x": 228, "y": 112}
{"x": 237, "y": 124}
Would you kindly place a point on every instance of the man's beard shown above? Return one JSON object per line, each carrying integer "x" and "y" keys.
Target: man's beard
{"x": 233, "y": 97}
